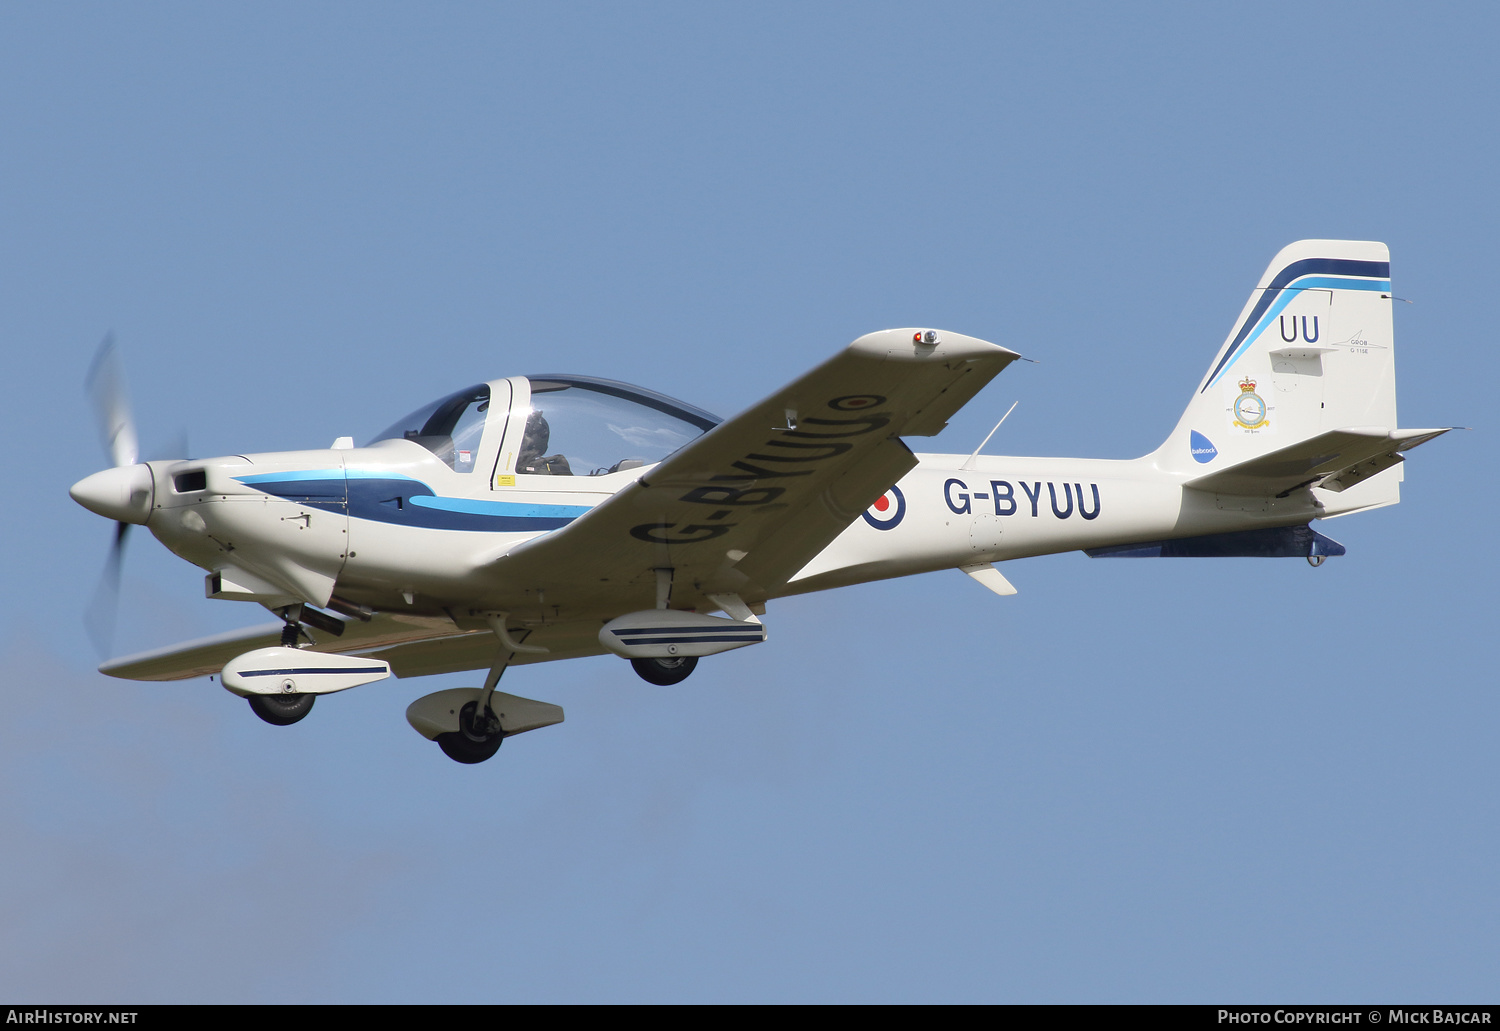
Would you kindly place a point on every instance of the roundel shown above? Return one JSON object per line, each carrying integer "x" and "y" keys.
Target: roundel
{"x": 856, "y": 402}
{"x": 888, "y": 511}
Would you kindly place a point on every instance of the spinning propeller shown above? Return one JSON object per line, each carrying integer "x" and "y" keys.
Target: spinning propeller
{"x": 123, "y": 493}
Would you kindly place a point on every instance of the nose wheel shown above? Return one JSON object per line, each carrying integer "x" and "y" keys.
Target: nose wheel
{"x": 282, "y": 710}
{"x": 476, "y": 739}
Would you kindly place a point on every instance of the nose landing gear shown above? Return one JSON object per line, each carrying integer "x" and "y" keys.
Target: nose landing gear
{"x": 281, "y": 710}
{"x": 282, "y": 683}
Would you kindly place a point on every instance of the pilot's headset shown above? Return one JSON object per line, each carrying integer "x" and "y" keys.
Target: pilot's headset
{"x": 535, "y": 439}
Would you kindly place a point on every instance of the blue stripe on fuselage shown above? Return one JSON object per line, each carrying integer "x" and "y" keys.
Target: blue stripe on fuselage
{"x": 315, "y": 488}
{"x": 401, "y": 500}
{"x": 297, "y": 476}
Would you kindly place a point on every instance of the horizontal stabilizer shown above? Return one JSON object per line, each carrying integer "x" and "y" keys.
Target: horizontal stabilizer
{"x": 1334, "y": 460}
{"x": 1280, "y": 542}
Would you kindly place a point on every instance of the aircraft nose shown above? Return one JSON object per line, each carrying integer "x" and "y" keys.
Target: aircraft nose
{"x": 123, "y": 493}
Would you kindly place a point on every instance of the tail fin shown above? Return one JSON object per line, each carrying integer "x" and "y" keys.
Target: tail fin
{"x": 1311, "y": 352}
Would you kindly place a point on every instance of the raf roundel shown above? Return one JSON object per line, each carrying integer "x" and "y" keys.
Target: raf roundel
{"x": 888, "y": 511}
{"x": 856, "y": 402}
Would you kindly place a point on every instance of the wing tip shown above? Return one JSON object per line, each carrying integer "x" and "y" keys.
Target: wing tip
{"x": 915, "y": 343}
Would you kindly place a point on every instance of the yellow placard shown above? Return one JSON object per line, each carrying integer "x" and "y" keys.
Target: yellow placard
{"x": 505, "y": 481}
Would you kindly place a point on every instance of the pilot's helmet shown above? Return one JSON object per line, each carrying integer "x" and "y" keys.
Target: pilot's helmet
{"x": 535, "y": 439}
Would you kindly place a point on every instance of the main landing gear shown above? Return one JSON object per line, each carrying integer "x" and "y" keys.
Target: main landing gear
{"x": 664, "y": 644}
{"x": 476, "y": 739}
{"x": 665, "y": 672}
{"x": 479, "y": 732}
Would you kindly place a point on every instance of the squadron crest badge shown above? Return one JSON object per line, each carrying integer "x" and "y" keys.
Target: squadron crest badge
{"x": 1249, "y": 408}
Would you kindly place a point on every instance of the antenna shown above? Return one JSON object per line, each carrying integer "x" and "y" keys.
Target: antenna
{"x": 987, "y": 437}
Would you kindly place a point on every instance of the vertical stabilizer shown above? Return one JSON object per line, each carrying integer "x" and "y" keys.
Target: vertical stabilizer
{"x": 1312, "y": 351}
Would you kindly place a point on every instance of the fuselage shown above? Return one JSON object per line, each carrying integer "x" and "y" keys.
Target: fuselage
{"x": 423, "y": 519}
{"x": 391, "y": 528}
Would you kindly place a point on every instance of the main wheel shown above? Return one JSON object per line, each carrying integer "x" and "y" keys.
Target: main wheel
{"x": 282, "y": 709}
{"x": 665, "y": 672}
{"x": 475, "y": 740}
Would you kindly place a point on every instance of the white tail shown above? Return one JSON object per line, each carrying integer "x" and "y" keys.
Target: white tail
{"x": 1311, "y": 352}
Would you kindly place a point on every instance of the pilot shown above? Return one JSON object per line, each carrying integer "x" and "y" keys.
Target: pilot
{"x": 534, "y": 443}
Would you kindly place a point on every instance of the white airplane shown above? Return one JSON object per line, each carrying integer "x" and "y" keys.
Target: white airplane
{"x": 535, "y": 518}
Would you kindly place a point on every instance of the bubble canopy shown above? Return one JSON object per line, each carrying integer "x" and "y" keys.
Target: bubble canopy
{"x": 449, "y": 427}
{"x": 570, "y": 426}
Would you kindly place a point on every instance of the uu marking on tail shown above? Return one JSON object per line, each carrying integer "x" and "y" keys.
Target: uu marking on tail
{"x": 1306, "y": 274}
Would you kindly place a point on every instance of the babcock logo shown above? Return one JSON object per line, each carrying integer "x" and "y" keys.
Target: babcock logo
{"x": 1203, "y": 450}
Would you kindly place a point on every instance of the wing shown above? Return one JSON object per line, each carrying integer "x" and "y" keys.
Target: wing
{"x": 415, "y": 646}
{"x": 737, "y": 511}
{"x": 745, "y": 506}
{"x": 386, "y": 632}
{"x": 1334, "y": 460}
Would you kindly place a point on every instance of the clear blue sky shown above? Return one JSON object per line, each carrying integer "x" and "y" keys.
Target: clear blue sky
{"x": 1170, "y": 781}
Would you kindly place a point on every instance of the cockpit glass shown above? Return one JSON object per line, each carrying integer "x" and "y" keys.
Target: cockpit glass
{"x": 450, "y": 427}
{"x": 580, "y": 426}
